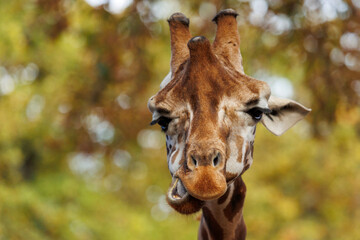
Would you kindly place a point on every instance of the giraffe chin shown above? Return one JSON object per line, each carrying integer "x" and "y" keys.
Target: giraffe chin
{"x": 180, "y": 200}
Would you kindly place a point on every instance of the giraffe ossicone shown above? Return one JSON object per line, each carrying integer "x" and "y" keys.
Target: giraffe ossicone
{"x": 209, "y": 109}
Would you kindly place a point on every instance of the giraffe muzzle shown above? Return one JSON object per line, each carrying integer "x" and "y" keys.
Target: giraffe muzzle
{"x": 204, "y": 182}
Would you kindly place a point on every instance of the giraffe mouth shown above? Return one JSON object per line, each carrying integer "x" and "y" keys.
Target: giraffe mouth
{"x": 177, "y": 191}
{"x": 180, "y": 200}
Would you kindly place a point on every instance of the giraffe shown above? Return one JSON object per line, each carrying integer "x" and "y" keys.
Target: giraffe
{"x": 208, "y": 109}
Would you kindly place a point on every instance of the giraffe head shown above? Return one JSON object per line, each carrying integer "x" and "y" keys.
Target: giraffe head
{"x": 208, "y": 109}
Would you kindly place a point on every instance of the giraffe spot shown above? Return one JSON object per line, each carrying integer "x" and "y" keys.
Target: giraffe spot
{"x": 240, "y": 232}
{"x": 237, "y": 200}
{"x": 240, "y": 145}
{"x": 203, "y": 232}
{"x": 223, "y": 198}
{"x": 230, "y": 176}
{"x": 215, "y": 230}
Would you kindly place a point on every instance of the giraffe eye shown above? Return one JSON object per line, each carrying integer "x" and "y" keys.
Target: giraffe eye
{"x": 164, "y": 123}
{"x": 255, "y": 113}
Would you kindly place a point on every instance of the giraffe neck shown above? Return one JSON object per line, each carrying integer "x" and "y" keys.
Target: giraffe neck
{"x": 223, "y": 218}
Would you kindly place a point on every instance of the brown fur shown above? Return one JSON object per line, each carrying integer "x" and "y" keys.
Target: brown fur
{"x": 205, "y": 76}
{"x": 237, "y": 201}
{"x": 180, "y": 35}
{"x": 227, "y": 41}
{"x": 235, "y": 225}
{"x": 215, "y": 230}
{"x": 203, "y": 233}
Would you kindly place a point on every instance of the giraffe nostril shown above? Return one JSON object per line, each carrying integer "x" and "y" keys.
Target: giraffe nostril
{"x": 194, "y": 161}
{"x": 216, "y": 160}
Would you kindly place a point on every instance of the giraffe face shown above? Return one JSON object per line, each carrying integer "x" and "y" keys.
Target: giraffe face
{"x": 208, "y": 109}
{"x": 209, "y": 117}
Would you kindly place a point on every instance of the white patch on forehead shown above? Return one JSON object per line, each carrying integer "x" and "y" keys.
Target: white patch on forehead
{"x": 166, "y": 80}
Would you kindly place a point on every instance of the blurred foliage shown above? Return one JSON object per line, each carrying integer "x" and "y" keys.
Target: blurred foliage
{"x": 79, "y": 161}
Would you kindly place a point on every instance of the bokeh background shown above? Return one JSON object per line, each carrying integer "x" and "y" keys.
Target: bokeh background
{"x": 78, "y": 159}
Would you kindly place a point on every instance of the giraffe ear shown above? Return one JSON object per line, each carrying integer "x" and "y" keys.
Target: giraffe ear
{"x": 284, "y": 114}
